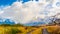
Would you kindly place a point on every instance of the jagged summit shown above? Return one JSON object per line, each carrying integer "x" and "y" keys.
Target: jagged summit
{"x": 6, "y": 21}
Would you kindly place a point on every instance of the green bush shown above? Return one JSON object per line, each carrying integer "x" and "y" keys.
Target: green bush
{"x": 13, "y": 31}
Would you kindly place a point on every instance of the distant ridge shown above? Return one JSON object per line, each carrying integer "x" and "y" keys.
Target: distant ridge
{"x": 6, "y": 21}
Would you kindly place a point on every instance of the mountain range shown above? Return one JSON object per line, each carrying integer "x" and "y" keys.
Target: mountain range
{"x": 6, "y": 21}
{"x": 33, "y": 22}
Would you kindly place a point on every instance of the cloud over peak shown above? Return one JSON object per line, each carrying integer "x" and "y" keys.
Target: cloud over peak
{"x": 24, "y": 12}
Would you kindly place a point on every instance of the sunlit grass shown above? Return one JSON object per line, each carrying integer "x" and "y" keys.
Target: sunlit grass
{"x": 28, "y": 29}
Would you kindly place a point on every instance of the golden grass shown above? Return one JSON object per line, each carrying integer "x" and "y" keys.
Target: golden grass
{"x": 28, "y": 29}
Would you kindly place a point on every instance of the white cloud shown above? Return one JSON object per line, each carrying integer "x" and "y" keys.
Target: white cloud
{"x": 24, "y": 13}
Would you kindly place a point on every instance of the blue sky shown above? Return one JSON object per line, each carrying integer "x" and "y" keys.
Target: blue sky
{"x": 9, "y": 2}
{"x": 5, "y": 3}
{"x": 30, "y": 11}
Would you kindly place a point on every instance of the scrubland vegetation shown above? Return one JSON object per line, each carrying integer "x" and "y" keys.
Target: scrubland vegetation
{"x": 19, "y": 29}
{"x": 51, "y": 28}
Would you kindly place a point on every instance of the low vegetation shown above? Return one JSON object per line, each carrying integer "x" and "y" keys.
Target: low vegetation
{"x": 53, "y": 28}
{"x": 19, "y": 29}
